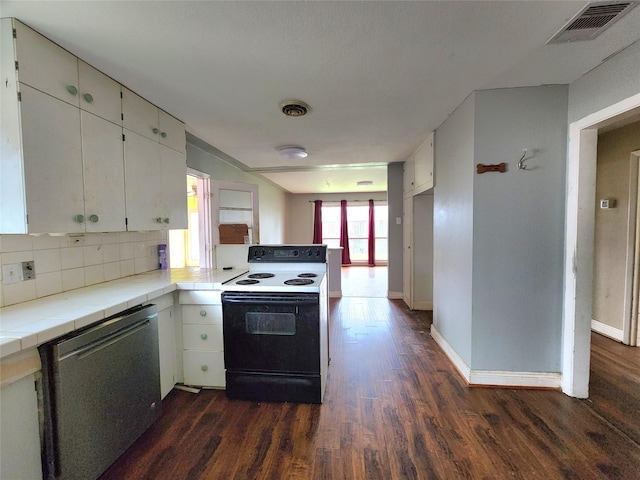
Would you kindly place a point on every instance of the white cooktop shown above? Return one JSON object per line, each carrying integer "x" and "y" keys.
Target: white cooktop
{"x": 277, "y": 282}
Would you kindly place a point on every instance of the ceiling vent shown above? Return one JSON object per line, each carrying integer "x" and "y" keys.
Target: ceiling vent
{"x": 294, "y": 108}
{"x": 591, "y": 21}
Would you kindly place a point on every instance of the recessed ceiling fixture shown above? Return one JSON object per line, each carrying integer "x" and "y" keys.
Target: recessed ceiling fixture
{"x": 294, "y": 108}
{"x": 292, "y": 152}
{"x": 364, "y": 183}
{"x": 591, "y": 21}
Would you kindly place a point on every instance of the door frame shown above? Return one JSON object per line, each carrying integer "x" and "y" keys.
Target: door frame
{"x": 578, "y": 254}
{"x": 632, "y": 280}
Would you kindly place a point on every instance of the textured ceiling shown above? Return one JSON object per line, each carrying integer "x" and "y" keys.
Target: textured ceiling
{"x": 379, "y": 76}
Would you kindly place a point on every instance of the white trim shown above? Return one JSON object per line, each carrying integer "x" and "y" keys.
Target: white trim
{"x": 578, "y": 253}
{"x": 607, "y": 330}
{"x": 395, "y": 295}
{"x": 423, "y": 305}
{"x": 336, "y": 294}
{"x": 496, "y": 378}
{"x": 449, "y": 351}
{"x": 516, "y": 379}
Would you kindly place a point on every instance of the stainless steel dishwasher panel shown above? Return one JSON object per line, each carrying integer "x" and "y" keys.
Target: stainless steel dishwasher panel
{"x": 105, "y": 393}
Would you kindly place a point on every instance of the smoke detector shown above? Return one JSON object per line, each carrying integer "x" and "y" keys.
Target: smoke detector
{"x": 294, "y": 108}
{"x": 591, "y": 21}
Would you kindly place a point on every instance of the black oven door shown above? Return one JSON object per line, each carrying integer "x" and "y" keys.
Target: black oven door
{"x": 271, "y": 332}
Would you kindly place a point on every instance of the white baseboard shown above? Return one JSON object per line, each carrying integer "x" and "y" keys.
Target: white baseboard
{"x": 496, "y": 378}
{"x": 607, "y": 330}
{"x": 456, "y": 359}
{"x": 395, "y": 295}
{"x": 337, "y": 294}
{"x": 422, "y": 305}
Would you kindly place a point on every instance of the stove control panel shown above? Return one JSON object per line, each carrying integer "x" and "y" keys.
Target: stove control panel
{"x": 288, "y": 254}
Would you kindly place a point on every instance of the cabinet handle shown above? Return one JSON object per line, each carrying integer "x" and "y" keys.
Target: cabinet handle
{"x": 72, "y": 90}
{"x": 78, "y": 218}
{"x": 203, "y": 313}
{"x": 166, "y": 220}
{"x": 94, "y": 218}
{"x": 204, "y": 368}
{"x": 159, "y": 219}
{"x": 163, "y": 134}
{"x": 203, "y": 336}
{"x": 88, "y": 98}
{"x": 155, "y": 131}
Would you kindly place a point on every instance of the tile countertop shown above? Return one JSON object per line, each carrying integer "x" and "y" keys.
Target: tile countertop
{"x": 27, "y": 325}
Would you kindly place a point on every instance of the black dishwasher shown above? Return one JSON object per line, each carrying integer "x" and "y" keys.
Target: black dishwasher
{"x": 101, "y": 391}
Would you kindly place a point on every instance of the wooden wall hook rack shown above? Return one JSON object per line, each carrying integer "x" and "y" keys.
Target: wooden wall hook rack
{"x": 501, "y": 168}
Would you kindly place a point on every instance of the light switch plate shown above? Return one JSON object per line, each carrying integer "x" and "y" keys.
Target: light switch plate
{"x": 11, "y": 273}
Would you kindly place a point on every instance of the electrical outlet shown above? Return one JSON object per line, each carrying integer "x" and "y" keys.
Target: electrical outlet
{"x": 11, "y": 273}
{"x": 28, "y": 271}
{"x": 76, "y": 239}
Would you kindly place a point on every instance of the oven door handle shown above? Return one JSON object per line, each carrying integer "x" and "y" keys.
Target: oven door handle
{"x": 269, "y": 300}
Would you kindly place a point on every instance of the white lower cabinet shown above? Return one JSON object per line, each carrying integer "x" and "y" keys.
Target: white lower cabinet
{"x": 168, "y": 349}
{"x": 203, "y": 349}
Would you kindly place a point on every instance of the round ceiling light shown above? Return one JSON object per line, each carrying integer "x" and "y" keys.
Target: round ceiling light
{"x": 294, "y": 108}
{"x": 292, "y": 152}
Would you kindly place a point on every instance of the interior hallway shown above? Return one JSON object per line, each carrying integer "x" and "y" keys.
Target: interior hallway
{"x": 364, "y": 281}
{"x": 395, "y": 408}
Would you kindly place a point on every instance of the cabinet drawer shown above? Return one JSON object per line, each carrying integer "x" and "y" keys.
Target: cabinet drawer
{"x": 205, "y": 369}
{"x": 202, "y": 314}
{"x": 202, "y": 337}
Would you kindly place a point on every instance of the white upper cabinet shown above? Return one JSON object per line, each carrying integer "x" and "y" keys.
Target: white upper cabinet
{"x": 45, "y": 66}
{"x": 424, "y": 166}
{"x": 99, "y": 94}
{"x": 64, "y": 159}
{"x": 52, "y": 166}
{"x": 103, "y": 168}
{"x": 408, "y": 177}
{"x": 146, "y": 119}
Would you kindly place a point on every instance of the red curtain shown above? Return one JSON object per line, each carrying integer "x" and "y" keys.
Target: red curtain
{"x": 372, "y": 235}
{"x": 344, "y": 233}
{"x": 317, "y": 221}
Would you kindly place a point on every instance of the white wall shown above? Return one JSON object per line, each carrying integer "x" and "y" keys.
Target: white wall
{"x": 272, "y": 200}
{"x": 453, "y": 228}
{"x": 518, "y": 229}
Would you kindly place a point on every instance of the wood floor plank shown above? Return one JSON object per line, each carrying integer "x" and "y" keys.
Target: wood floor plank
{"x": 395, "y": 408}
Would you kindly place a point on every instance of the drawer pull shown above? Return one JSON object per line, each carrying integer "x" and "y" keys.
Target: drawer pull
{"x": 204, "y": 368}
{"x": 203, "y": 336}
{"x": 203, "y": 313}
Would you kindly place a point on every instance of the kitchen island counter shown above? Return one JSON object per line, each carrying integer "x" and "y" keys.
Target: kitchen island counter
{"x": 26, "y": 325}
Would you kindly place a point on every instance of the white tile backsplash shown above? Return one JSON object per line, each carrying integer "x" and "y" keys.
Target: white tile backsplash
{"x": 101, "y": 257}
{"x": 47, "y": 261}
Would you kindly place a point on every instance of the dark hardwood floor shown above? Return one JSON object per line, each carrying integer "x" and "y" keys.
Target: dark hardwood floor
{"x": 395, "y": 408}
{"x": 614, "y": 385}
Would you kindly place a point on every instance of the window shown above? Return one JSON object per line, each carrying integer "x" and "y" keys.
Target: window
{"x": 358, "y": 225}
{"x": 235, "y": 203}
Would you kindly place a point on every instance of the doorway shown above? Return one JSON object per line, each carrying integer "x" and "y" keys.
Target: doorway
{"x": 579, "y": 248}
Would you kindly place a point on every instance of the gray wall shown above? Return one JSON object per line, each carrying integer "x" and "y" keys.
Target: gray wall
{"x": 453, "y": 228}
{"x": 272, "y": 200}
{"x": 394, "y": 199}
{"x": 518, "y": 229}
{"x": 612, "y": 81}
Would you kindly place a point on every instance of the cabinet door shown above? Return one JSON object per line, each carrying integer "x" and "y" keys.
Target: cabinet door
{"x": 99, "y": 94}
{"x": 102, "y": 156}
{"x": 174, "y": 188}
{"x": 408, "y": 179}
{"x": 143, "y": 182}
{"x": 167, "y": 350}
{"x": 205, "y": 369}
{"x": 52, "y": 163}
{"x": 172, "y": 132}
{"x": 45, "y": 66}
{"x": 139, "y": 115}
{"x": 424, "y": 166}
